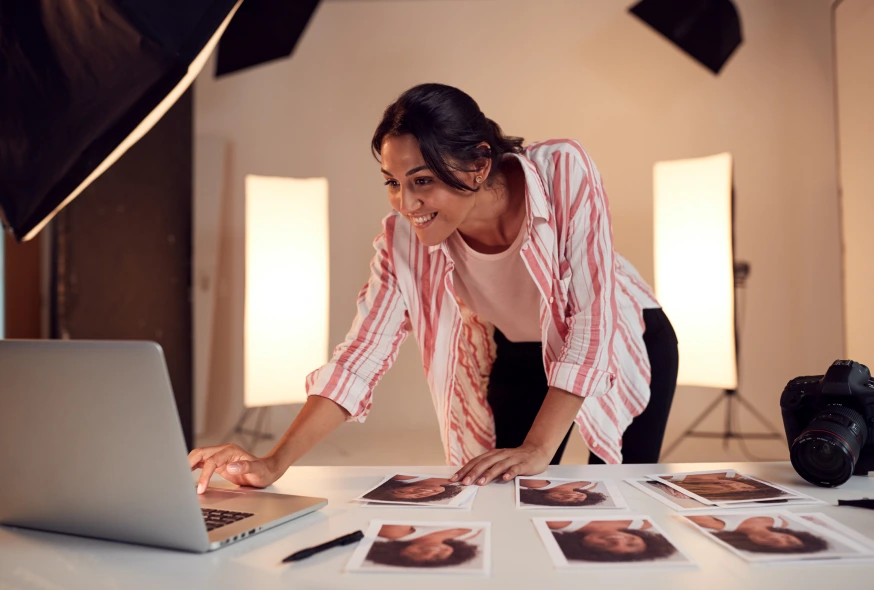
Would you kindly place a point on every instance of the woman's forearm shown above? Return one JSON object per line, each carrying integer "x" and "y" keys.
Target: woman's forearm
{"x": 317, "y": 419}
{"x": 555, "y": 417}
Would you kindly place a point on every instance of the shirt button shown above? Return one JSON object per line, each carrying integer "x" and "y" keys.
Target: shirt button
{"x": 525, "y": 247}
{"x": 551, "y": 299}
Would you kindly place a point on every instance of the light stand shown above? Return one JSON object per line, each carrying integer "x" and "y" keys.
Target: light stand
{"x": 260, "y": 431}
{"x": 730, "y": 397}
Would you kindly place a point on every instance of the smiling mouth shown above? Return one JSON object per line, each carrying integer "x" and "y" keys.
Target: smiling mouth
{"x": 423, "y": 220}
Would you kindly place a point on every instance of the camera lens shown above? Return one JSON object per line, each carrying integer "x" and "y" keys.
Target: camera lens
{"x": 825, "y": 454}
{"x": 825, "y": 458}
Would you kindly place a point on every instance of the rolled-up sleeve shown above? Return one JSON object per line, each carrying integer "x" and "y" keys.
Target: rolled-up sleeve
{"x": 583, "y": 366}
{"x": 373, "y": 341}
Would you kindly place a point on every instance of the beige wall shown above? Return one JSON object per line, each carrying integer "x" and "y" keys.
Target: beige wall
{"x": 580, "y": 69}
{"x": 854, "y": 27}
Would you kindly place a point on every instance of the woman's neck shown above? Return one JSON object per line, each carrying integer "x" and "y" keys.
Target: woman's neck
{"x": 499, "y": 212}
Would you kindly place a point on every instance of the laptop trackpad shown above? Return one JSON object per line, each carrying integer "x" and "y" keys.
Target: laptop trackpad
{"x": 213, "y": 497}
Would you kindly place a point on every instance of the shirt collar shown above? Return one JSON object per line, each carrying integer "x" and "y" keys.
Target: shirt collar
{"x": 535, "y": 194}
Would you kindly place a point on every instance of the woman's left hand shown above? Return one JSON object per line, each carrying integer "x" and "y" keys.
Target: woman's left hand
{"x": 504, "y": 463}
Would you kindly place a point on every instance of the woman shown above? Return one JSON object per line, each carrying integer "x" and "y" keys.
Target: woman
{"x": 610, "y": 541}
{"x": 760, "y": 534}
{"x": 407, "y": 547}
{"x": 542, "y": 492}
{"x": 500, "y": 261}
{"x": 409, "y": 488}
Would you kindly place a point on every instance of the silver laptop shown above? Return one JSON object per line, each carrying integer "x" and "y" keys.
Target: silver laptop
{"x": 92, "y": 445}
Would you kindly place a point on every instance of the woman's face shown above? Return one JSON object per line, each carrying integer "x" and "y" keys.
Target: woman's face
{"x": 768, "y": 538}
{"x": 426, "y": 552}
{"x": 615, "y": 542}
{"x": 567, "y": 496}
{"x": 415, "y": 492}
{"x": 434, "y": 208}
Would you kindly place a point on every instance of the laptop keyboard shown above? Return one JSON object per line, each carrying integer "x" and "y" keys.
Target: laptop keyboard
{"x": 218, "y": 518}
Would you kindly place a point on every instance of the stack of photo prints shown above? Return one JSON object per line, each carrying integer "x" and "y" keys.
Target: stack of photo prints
{"x": 704, "y": 490}
{"x": 743, "y": 514}
{"x": 740, "y": 513}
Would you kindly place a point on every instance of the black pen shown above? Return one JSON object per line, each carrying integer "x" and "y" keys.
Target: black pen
{"x": 344, "y": 540}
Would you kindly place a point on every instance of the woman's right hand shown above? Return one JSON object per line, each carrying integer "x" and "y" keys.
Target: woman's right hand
{"x": 235, "y": 464}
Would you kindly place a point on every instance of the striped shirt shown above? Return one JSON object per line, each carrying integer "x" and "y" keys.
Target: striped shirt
{"x": 591, "y": 321}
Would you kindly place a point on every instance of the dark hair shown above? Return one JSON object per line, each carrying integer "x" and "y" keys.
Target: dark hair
{"x": 761, "y": 491}
{"x": 541, "y": 498}
{"x": 571, "y": 544}
{"x": 389, "y": 553}
{"x": 384, "y": 492}
{"x": 739, "y": 540}
{"x": 449, "y": 126}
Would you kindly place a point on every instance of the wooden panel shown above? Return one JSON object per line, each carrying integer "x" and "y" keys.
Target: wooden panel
{"x": 22, "y": 300}
{"x": 122, "y": 253}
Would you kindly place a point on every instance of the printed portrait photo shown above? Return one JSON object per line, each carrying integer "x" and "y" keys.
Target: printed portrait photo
{"x": 423, "y": 490}
{"x": 830, "y": 524}
{"x": 459, "y": 547}
{"x": 466, "y": 504}
{"x": 775, "y": 536}
{"x": 567, "y": 493}
{"x": 609, "y": 541}
{"x": 725, "y": 487}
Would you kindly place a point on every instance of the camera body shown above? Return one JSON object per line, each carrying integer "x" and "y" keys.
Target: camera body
{"x": 833, "y": 415}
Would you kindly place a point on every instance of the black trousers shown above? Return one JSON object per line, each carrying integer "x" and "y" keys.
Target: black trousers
{"x": 517, "y": 388}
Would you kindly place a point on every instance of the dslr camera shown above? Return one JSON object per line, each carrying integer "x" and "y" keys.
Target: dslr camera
{"x": 829, "y": 422}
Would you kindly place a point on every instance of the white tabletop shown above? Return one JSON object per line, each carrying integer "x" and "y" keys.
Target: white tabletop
{"x": 30, "y": 559}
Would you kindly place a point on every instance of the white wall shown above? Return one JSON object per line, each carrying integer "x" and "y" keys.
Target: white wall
{"x": 855, "y": 76}
{"x": 581, "y": 69}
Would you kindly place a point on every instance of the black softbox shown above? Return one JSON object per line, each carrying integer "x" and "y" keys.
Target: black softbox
{"x": 707, "y": 30}
{"x": 262, "y": 30}
{"x": 81, "y": 79}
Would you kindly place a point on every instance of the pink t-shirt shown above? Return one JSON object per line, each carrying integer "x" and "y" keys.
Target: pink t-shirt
{"x": 498, "y": 288}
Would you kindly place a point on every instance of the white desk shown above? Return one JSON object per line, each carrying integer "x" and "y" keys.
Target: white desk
{"x": 30, "y": 559}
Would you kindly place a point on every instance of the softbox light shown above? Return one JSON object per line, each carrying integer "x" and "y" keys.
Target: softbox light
{"x": 81, "y": 82}
{"x": 285, "y": 328}
{"x": 692, "y": 228}
{"x": 708, "y": 30}
{"x": 262, "y": 31}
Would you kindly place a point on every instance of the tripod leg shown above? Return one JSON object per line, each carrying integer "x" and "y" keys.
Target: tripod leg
{"x": 238, "y": 427}
{"x": 729, "y": 408}
{"x": 752, "y": 410}
{"x": 698, "y": 420}
{"x": 256, "y": 434}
